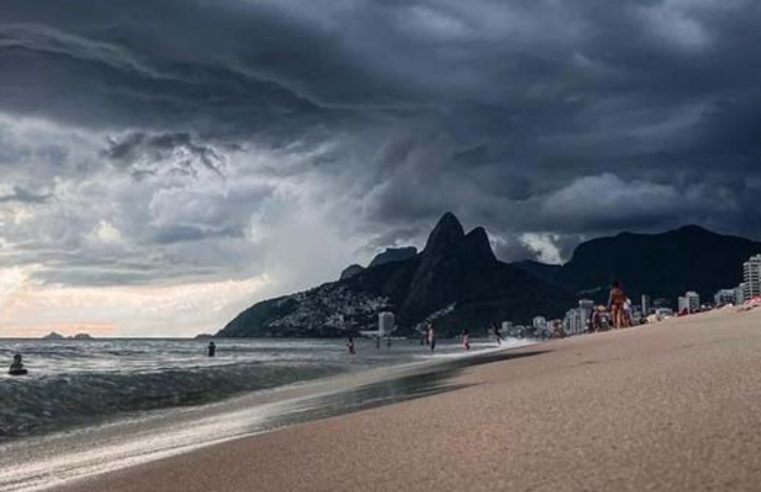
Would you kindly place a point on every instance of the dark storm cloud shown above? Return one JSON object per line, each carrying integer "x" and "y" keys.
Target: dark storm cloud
{"x": 101, "y": 82}
{"x": 558, "y": 119}
{"x": 180, "y": 233}
{"x": 178, "y": 147}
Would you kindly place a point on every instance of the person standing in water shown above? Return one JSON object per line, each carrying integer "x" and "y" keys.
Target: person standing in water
{"x": 498, "y": 333}
{"x": 350, "y": 345}
{"x": 431, "y": 337}
{"x": 466, "y": 339}
{"x": 616, "y": 301}
{"x": 17, "y": 366}
{"x": 211, "y": 350}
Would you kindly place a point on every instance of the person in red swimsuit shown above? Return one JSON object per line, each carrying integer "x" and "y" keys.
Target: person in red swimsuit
{"x": 616, "y": 302}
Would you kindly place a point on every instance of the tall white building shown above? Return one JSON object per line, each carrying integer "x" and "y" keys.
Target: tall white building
{"x": 693, "y": 301}
{"x": 645, "y": 304}
{"x": 689, "y": 302}
{"x": 586, "y": 307}
{"x": 385, "y": 323}
{"x": 740, "y": 294}
{"x": 752, "y": 277}
{"x": 575, "y": 321}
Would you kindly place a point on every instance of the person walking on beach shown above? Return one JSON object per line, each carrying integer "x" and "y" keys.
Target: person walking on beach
{"x": 350, "y": 345}
{"x": 616, "y": 301}
{"x": 466, "y": 339}
{"x": 211, "y": 350}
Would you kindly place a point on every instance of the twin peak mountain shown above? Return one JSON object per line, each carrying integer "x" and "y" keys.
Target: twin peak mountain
{"x": 457, "y": 282}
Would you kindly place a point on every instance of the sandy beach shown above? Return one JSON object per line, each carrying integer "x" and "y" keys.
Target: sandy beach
{"x": 669, "y": 406}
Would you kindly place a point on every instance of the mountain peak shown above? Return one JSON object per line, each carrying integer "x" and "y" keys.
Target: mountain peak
{"x": 693, "y": 228}
{"x": 447, "y": 234}
{"x": 393, "y": 254}
{"x": 351, "y": 270}
{"x": 476, "y": 246}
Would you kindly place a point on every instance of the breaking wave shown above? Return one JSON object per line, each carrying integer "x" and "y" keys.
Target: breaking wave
{"x": 52, "y": 402}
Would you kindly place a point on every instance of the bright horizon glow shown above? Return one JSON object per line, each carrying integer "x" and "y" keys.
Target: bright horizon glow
{"x": 123, "y": 311}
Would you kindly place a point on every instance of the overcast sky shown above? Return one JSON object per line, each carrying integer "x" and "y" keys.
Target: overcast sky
{"x": 164, "y": 164}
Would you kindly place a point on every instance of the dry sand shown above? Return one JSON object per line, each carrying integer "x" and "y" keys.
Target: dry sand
{"x": 671, "y": 406}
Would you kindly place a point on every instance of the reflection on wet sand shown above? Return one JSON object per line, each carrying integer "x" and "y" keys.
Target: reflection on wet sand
{"x": 418, "y": 385}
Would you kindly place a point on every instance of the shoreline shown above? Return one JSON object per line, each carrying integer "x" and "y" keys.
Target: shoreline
{"x": 664, "y": 406}
{"x": 85, "y": 387}
{"x": 42, "y": 462}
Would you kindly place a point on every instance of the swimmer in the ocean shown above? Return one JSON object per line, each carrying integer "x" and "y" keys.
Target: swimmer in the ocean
{"x": 17, "y": 366}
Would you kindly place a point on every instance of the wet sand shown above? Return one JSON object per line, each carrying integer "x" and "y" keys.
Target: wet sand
{"x": 671, "y": 406}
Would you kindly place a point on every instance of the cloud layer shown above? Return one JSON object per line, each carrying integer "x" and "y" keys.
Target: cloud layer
{"x": 159, "y": 144}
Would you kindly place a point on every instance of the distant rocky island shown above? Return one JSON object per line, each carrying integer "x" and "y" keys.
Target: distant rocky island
{"x": 458, "y": 282}
{"x": 57, "y": 336}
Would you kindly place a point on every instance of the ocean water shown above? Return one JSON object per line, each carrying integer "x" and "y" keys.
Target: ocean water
{"x": 75, "y": 383}
{"x": 90, "y": 407}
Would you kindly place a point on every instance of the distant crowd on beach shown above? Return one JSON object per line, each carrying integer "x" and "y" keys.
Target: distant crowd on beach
{"x": 617, "y": 314}
{"x": 428, "y": 338}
